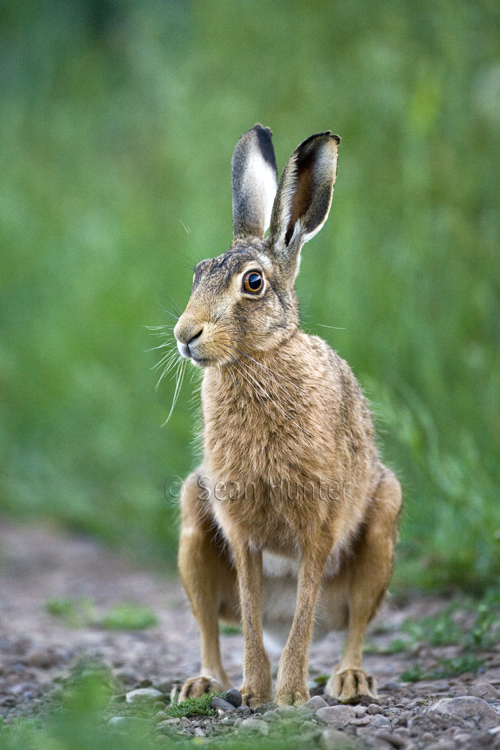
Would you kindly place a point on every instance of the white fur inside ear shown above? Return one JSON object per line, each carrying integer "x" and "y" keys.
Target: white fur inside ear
{"x": 259, "y": 181}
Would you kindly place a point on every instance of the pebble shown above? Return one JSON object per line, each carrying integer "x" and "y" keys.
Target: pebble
{"x": 336, "y": 716}
{"x": 270, "y": 716}
{"x": 233, "y": 696}
{"x": 168, "y": 723}
{"x": 332, "y": 739}
{"x": 255, "y": 725}
{"x": 468, "y": 708}
{"x": 393, "y": 741}
{"x": 143, "y": 695}
{"x": 244, "y": 710}
{"x": 286, "y": 711}
{"x": 380, "y": 722}
{"x": 373, "y": 709}
{"x": 483, "y": 690}
{"x": 43, "y": 659}
{"x": 222, "y": 704}
{"x": 160, "y": 716}
{"x": 313, "y": 704}
{"x": 125, "y": 722}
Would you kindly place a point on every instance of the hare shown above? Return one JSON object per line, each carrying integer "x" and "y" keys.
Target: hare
{"x": 291, "y": 488}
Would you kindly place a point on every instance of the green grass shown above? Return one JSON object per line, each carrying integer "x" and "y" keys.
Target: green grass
{"x": 476, "y": 631}
{"x": 193, "y": 706}
{"x": 118, "y": 122}
{"x": 81, "y": 612}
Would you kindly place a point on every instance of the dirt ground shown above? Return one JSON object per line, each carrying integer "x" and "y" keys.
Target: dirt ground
{"x": 37, "y": 648}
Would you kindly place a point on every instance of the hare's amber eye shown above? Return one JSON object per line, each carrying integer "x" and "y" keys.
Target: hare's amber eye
{"x": 253, "y": 282}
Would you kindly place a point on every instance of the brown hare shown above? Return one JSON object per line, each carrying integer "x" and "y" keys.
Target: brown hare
{"x": 291, "y": 488}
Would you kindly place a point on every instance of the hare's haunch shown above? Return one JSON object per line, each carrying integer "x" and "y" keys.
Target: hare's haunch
{"x": 291, "y": 487}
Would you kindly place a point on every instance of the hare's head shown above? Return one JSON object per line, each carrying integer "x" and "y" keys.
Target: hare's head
{"x": 244, "y": 300}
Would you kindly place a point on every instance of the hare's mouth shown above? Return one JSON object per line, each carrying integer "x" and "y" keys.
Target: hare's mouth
{"x": 200, "y": 361}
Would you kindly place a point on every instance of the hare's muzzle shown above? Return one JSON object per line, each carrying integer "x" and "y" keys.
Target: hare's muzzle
{"x": 188, "y": 335}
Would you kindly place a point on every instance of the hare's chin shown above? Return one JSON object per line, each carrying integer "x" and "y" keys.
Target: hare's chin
{"x": 200, "y": 362}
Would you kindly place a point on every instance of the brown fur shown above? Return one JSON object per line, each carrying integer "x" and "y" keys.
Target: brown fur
{"x": 290, "y": 464}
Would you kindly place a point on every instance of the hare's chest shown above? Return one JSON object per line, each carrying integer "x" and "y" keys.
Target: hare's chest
{"x": 243, "y": 447}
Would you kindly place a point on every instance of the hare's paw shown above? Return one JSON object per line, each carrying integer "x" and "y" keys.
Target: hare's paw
{"x": 254, "y": 697}
{"x": 292, "y": 696}
{"x": 351, "y": 685}
{"x": 194, "y": 687}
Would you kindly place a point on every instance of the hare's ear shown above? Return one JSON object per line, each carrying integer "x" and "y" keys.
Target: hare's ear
{"x": 303, "y": 199}
{"x": 255, "y": 180}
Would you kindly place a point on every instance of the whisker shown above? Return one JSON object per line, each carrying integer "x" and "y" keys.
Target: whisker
{"x": 178, "y": 386}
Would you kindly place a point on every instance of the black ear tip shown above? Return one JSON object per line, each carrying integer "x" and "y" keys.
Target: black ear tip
{"x": 336, "y": 138}
{"x": 258, "y": 126}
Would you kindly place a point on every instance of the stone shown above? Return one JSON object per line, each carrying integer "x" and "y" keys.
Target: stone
{"x": 403, "y": 732}
{"x": 43, "y": 659}
{"x": 168, "y": 723}
{"x": 483, "y": 690}
{"x": 221, "y": 704}
{"x": 244, "y": 710}
{"x": 336, "y": 716}
{"x": 362, "y": 721}
{"x": 233, "y": 696}
{"x": 392, "y": 740}
{"x": 467, "y": 708}
{"x": 373, "y": 709}
{"x": 271, "y": 716}
{"x": 160, "y": 716}
{"x": 313, "y": 704}
{"x": 332, "y": 739}
{"x": 143, "y": 695}
{"x": 286, "y": 711}
{"x": 380, "y": 722}
{"x": 255, "y": 725}
{"x": 360, "y": 710}
{"x": 125, "y": 722}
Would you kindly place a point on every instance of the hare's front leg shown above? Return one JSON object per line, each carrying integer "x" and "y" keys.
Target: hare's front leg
{"x": 366, "y": 578}
{"x": 257, "y": 684}
{"x": 293, "y": 669}
{"x": 210, "y": 583}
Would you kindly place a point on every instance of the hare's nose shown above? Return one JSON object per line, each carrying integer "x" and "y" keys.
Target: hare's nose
{"x": 187, "y": 331}
{"x": 196, "y": 336}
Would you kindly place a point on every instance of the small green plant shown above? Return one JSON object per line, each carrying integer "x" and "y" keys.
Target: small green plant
{"x": 129, "y": 617}
{"x": 226, "y": 628}
{"x": 442, "y": 629}
{"x": 193, "y": 706}
{"x": 414, "y": 674}
{"x": 321, "y": 680}
{"x": 453, "y": 667}
{"x": 80, "y": 613}
{"x": 437, "y": 630}
{"x": 394, "y": 647}
{"x": 76, "y": 612}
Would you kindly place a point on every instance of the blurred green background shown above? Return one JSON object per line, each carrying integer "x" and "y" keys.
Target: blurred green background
{"x": 118, "y": 119}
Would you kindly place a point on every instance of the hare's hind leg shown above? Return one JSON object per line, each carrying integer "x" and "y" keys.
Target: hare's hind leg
{"x": 210, "y": 583}
{"x": 364, "y": 580}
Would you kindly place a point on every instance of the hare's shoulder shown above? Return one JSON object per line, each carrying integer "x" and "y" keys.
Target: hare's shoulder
{"x": 320, "y": 359}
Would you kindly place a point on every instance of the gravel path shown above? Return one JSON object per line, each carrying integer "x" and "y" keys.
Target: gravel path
{"x": 38, "y": 650}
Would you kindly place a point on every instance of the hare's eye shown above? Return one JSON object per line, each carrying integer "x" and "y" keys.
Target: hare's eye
{"x": 253, "y": 282}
